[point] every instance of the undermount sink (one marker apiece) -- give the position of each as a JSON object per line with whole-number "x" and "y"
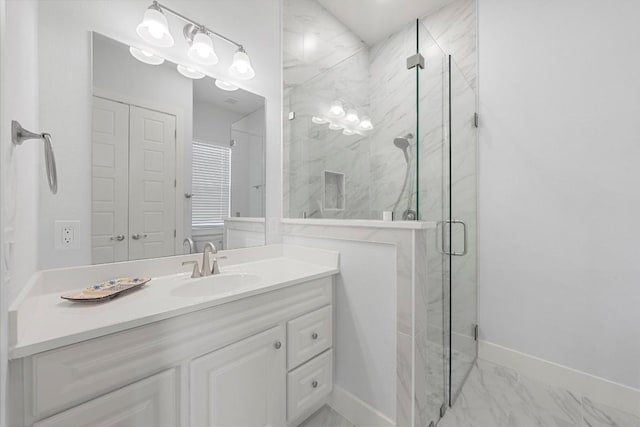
{"x": 215, "y": 284}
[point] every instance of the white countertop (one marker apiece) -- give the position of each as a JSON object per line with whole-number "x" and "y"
{"x": 40, "y": 320}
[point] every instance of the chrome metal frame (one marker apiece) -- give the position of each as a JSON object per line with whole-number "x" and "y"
{"x": 193, "y": 27}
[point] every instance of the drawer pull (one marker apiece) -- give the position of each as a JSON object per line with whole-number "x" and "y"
{"x": 314, "y": 384}
{"x": 314, "y": 336}
{"x": 277, "y": 345}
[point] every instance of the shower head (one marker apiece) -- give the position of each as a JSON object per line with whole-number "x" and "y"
{"x": 402, "y": 142}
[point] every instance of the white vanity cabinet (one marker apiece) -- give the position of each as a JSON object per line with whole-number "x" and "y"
{"x": 263, "y": 360}
{"x": 243, "y": 384}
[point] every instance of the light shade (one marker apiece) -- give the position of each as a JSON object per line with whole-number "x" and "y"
{"x": 352, "y": 117}
{"x": 221, "y": 84}
{"x": 334, "y": 126}
{"x": 201, "y": 49}
{"x": 146, "y": 57}
{"x": 154, "y": 28}
{"x": 241, "y": 67}
{"x": 365, "y": 123}
{"x": 336, "y": 110}
{"x": 348, "y": 132}
{"x": 190, "y": 72}
{"x": 318, "y": 120}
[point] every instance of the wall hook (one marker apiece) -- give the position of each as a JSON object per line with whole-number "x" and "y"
{"x": 19, "y": 135}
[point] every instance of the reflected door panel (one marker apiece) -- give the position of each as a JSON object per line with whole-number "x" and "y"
{"x": 152, "y": 183}
{"x": 110, "y": 192}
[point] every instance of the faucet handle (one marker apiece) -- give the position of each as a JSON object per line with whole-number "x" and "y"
{"x": 196, "y": 270}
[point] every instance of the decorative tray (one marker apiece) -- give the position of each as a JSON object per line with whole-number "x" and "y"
{"x": 106, "y": 290}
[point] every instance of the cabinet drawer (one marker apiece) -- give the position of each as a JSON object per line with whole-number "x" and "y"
{"x": 150, "y": 402}
{"x": 308, "y": 336}
{"x": 309, "y": 384}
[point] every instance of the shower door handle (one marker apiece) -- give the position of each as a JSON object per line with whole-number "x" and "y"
{"x": 442, "y": 249}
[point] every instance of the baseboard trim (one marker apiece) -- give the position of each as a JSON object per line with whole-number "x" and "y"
{"x": 356, "y": 411}
{"x": 598, "y": 389}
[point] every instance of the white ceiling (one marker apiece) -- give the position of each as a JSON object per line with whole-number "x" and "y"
{"x": 373, "y": 20}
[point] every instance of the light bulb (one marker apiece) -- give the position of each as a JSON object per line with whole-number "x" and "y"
{"x": 337, "y": 110}
{"x": 146, "y": 57}
{"x": 365, "y": 123}
{"x": 154, "y": 28}
{"x": 201, "y": 49}
{"x": 221, "y": 84}
{"x": 318, "y": 120}
{"x": 241, "y": 66}
{"x": 352, "y": 117}
{"x": 190, "y": 72}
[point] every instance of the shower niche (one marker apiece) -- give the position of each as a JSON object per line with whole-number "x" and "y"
{"x": 334, "y": 194}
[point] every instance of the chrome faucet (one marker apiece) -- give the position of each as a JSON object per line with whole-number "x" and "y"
{"x": 189, "y": 241}
{"x": 206, "y": 269}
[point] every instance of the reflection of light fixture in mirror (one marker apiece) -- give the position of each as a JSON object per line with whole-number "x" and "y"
{"x": 348, "y": 132}
{"x": 201, "y": 49}
{"x": 319, "y": 120}
{"x": 189, "y": 72}
{"x": 241, "y": 67}
{"x": 154, "y": 28}
{"x": 146, "y": 57}
{"x": 352, "y": 117}
{"x": 221, "y": 84}
{"x": 365, "y": 123}
{"x": 337, "y": 110}
{"x": 334, "y": 126}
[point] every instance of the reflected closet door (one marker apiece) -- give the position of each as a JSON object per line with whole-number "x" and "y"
{"x": 110, "y": 187}
{"x": 152, "y": 174}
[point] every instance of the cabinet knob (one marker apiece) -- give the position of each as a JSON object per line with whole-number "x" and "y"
{"x": 277, "y": 345}
{"x": 314, "y": 384}
{"x": 314, "y": 336}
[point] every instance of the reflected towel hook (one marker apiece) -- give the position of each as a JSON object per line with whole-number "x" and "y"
{"x": 19, "y": 135}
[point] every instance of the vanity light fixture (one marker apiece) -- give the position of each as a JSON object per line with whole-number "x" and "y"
{"x": 337, "y": 110}
{"x": 241, "y": 67}
{"x": 352, "y": 117}
{"x": 319, "y": 120}
{"x": 334, "y": 126}
{"x": 365, "y": 123}
{"x": 154, "y": 29}
{"x": 229, "y": 87}
{"x": 189, "y": 72}
{"x": 348, "y": 132}
{"x": 201, "y": 50}
{"x": 146, "y": 57}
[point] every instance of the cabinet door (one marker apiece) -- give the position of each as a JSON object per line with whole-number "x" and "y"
{"x": 150, "y": 402}
{"x": 243, "y": 384}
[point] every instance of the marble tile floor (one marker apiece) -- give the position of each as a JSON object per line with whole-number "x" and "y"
{"x": 495, "y": 396}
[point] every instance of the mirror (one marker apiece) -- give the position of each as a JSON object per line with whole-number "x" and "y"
{"x": 177, "y": 159}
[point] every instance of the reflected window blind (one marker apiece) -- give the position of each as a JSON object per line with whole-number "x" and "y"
{"x": 210, "y": 185}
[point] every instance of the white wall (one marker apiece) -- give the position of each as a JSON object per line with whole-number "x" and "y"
{"x": 559, "y": 174}
{"x": 21, "y": 167}
{"x": 365, "y": 329}
{"x": 65, "y": 85}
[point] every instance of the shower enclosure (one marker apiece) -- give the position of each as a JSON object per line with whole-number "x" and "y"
{"x": 392, "y": 127}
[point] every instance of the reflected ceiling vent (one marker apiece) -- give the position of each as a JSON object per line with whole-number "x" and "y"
{"x": 231, "y": 101}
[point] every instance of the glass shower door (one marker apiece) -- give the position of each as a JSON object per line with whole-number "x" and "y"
{"x": 460, "y": 228}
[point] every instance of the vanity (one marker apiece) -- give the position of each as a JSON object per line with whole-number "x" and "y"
{"x": 251, "y": 346}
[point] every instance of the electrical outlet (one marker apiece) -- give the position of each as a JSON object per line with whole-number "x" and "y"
{"x": 67, "y": 234}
